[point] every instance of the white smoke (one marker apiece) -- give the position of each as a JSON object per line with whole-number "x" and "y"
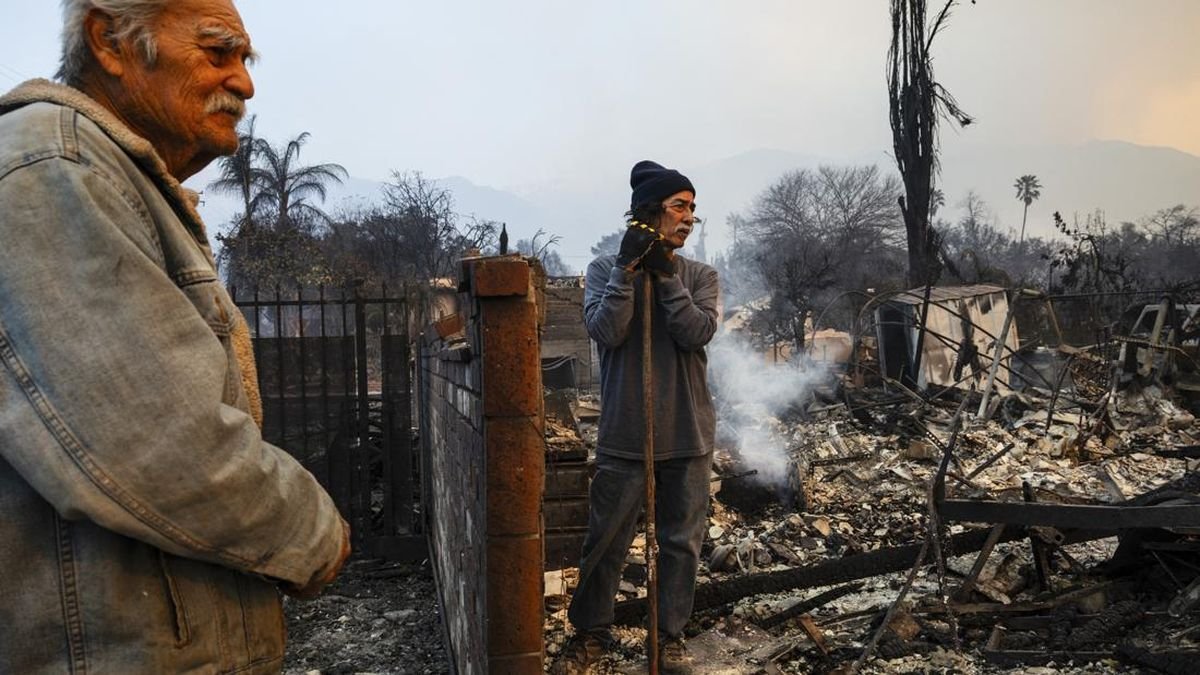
{"x": 751, "y": 393}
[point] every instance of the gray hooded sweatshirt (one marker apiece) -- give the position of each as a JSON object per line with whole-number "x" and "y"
{"x": 684, "y": 319}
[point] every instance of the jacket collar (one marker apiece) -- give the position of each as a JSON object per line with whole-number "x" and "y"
{"x": 139, "y": 149}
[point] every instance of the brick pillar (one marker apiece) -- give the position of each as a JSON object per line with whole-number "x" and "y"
{"x": 507, "y": 325}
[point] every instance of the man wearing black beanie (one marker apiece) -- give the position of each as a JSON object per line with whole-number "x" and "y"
{"x": 685, "y": 315}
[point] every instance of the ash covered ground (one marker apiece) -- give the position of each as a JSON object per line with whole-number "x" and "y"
{"x": 378, "y": 617}
{"x": 864, "y": 470}
{"x": 865, "y": 490}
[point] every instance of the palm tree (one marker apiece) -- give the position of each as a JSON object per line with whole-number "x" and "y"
{"x": 917, "y": 104}
{"x": 937, "y": 199}
{"x": 237, "y": 170}
{"x": 284, "y": 187}
{"x": 1028, "y": 189}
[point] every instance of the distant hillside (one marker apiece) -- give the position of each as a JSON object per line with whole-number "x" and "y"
{"x": 1127, "y": 181}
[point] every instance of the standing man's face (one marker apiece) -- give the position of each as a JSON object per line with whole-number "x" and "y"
{"x": 679, "y": 214}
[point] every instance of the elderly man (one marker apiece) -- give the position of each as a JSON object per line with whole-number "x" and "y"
{"x": 683, "y": 320}
{"x": 146, "y": 528}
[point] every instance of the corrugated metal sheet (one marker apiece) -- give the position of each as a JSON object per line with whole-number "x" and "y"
{"x": 942, "y": 293}
{"x": 962, "y": 327}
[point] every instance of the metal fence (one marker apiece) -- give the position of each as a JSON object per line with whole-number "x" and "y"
{"x": 334, "y": 373}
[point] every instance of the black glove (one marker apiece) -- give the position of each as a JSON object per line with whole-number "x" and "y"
{"x": 659, "y": 260}
{"x": 636, "y": 244}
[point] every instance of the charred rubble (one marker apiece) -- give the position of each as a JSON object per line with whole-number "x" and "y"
{"x": 981, "y": 504}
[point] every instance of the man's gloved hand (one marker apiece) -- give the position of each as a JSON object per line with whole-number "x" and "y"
{"x": 636, "y": 244}
{"x": 325, "y": 576}
{"x": 660, "y": 260}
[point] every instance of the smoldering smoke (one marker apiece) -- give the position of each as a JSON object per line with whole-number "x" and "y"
{"x": 752, "y": 393}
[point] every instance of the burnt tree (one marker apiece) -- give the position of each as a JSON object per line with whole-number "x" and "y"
{"x": 813, "y": 232}
{"x": 916, "y": 101}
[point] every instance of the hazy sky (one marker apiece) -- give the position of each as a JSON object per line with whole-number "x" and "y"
{"x": 520, "y": 94}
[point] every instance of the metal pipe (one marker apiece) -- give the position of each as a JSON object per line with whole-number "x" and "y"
{"x": 303, "y": 375}
{"x": 1037, "y": 547}
{"x": 1062, "y": 375}
{"x": 920, "y": 347}
{"x": 1000, "y": 343}
{"x": 362, "y": 458}
{"x": 326, "y": 418}
{"x": 282, "y": 390}
{"x": 1164, "y": 308}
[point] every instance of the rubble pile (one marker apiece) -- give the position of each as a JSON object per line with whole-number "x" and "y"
{"x": 863, "y": 471}
{"x": 942, "y": 495}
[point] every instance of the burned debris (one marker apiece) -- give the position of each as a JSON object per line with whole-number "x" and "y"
{"x": 1006, "y": 496}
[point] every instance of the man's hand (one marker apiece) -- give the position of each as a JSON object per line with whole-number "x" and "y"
{"x": 325, "y": 576}
{"x": 636, "y": 244}
{"x": 660, "y": 260}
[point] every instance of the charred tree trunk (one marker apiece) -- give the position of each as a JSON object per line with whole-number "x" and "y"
{"x": 915, "y": 100}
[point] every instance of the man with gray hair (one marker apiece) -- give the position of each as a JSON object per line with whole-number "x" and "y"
{"x": 147, "y": 527}
{"x": 682, "y": 299}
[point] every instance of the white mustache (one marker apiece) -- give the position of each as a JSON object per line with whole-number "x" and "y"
{"x": 223, "y": 101}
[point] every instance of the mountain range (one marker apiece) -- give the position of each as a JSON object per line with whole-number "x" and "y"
{"x": 1124, "y": 180}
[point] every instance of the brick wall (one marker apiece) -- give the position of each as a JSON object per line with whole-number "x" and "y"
{"x": 452, "y": 443}
{"x": 481, "y": 429}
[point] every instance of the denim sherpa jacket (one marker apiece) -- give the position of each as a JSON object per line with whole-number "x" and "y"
{"x": 143, "y": 521}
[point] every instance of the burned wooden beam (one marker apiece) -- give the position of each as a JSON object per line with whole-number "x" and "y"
{"x": 1172, "y": 546}
{"x": 1041, "y": 560}
{"x": 827, "y": 573}
{"x": 814, "y": 633}
{"x": 743, "y": 474}
{"x": 808, "y": 605}
{"x": 1179, "y": 662}
{"x": 999, "y": 608}
{"x": 1071, "y": 516}
{"x": 968, "y": 584}
{"x": 996, "y": 652}
{"x": 1187, "y": 599}
{"x": 991, "y": 460}
{"x": 1181, "y": 452}
{"x": 1109, "y": 623}
{"x": 828, "y": 461}
{"x": 1014, "y": 657}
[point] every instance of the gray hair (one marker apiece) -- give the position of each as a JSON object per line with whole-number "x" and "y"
{"x": 131, "y": 19}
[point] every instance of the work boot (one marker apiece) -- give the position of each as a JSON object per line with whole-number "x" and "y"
{"x": 673, "y": 658}
{"x": 581, "y": 652}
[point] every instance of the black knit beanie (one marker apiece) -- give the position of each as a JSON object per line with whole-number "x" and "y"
{"x": 652, "y": 182}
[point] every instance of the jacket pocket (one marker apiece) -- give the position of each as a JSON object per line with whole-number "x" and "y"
{"x": 262, "y": 617}
{"x": 218, "y": 311}
{"x": 211, "y": 301}
{"x": 183, "y": 631}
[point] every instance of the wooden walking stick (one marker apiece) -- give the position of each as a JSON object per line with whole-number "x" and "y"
{"x": 651, "y": 534}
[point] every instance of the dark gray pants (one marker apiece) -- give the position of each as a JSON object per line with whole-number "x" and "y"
{"x": 617, "y": 494}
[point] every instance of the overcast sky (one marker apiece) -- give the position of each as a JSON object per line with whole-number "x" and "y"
{"x": 523, "y": 94}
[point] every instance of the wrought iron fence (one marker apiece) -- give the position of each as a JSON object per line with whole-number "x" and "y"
{"x": 335, "y": 376}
